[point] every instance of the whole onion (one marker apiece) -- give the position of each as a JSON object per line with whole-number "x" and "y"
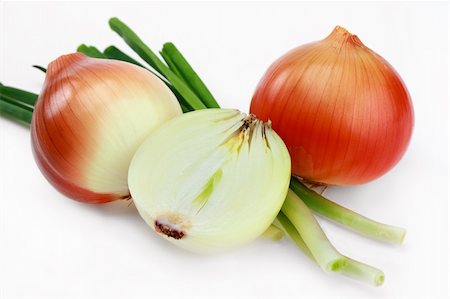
{"x": 342, "y": 110}
{"x": 90, "y": 118}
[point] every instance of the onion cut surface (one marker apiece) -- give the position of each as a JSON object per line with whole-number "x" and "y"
{"x": 210, "y": 179}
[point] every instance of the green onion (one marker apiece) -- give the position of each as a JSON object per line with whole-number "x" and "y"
{"x": 147, "y": 55}
{"x": 172, "y": 66}
{"x": 188, "y": 74}
{"x": 90, "y": 51}
{"x": 321, "y": 248}
{"x": 18, "y": 95}
{"x": 113, "y": 52}
{"x": 15, "y": 110}
{"x": 288, "y": 228}
{"x": 346, "y": 217}
{"x": 274, "y": 233}
{"x": 41, "y": 68}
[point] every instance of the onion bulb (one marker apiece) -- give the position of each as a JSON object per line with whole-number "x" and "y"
{"x": 90, "y": 117}
{"x": 210, "y": 179}
{"x": 342, "y": 110}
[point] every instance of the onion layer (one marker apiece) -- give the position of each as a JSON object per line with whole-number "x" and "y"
{"x": 91, "y": 116}
{"x": 342, "y": 110}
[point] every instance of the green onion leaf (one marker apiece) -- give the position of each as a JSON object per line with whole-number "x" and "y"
{"x": 18, "y": 95}
{"x": 41, "y": 68}
{"x": 172, "y": 65}
{"x": 113, "y": 52}
{"x": 147, "y": 55}
{"x": 174, "y": 57}
{"x": 15, "y": 110}
{"x": 90, "y": 51}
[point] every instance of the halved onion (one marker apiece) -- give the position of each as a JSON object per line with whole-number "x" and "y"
{"x": 210, "y": 179}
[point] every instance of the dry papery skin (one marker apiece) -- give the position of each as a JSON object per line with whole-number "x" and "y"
{"x": 343, "y": 111}
{"x": 90, "y": 117}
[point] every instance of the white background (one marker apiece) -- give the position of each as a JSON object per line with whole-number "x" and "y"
{"x": 51, "y": 246}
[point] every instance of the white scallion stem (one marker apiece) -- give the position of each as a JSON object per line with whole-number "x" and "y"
{"x": 323, "y": 252}
{"x": 289, "y": 229}
{"x": 273, "y": 233}
{"x": 346, "y": 217}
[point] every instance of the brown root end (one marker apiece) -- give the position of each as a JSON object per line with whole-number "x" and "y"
{"x": 168, "y": 231}
{"x": 126, "y": 197}
{"x": 317, "y": 187}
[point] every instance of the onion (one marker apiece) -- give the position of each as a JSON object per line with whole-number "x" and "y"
{"x": 210, "y": 179}
{"x": 91, "y": 116}
{"x": 342, "y": 110}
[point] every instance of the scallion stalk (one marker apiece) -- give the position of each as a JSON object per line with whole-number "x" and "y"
{"x": 274, "y": 233}
{"x": 148, "y": 56}
{"x": 41, "y": 68}
{"x": 288, "y": 228}
{"x": 15, "y": 110}
{"x": 171, "y": 65}
{"x": 90, "y": 51}
{"x": 315, "y": 239}
{"x": 346, "y": 217}
{"x": 18, "y": 95}
{"x": 113, "y": 52}
{"x": 324, "y": 253}
{"x": 188, "y": 74}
